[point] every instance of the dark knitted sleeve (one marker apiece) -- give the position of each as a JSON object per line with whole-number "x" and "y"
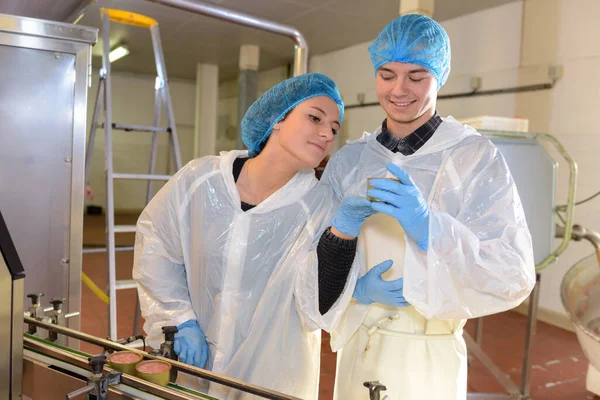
{"x": 336, "y": 256}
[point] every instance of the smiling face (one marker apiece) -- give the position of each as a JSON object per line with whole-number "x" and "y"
{"x": 306, "y": 133}
{"x": 407, "y": 93}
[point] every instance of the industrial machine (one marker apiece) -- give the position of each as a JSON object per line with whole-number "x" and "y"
{"x": 52, "y": 371}
{"x": 45, "y": 71}
{"x": 37, "y": 364}
{"x": 580, "y": 295}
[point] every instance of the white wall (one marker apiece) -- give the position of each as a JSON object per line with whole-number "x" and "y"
{"x": 228, "y": 104}
{"x": 352, "y": 70}
{"x": 508, "y": 46}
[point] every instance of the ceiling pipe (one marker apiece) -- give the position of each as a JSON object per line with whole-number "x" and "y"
{"x": 213, "y": 11}
{"x": 78, "y": 11}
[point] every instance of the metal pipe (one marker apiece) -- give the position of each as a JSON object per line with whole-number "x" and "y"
{"x": 91, "y": 250}
{"x": 201, "y": 373}
{"x": 500, "y": 376}
{"x": 210, "y": 10}
{"x": 78, "y": 11}
{"x": 80, "y": 392}
{"x": 300, "y": 58}
{"x": 474, "y": 93}
{"x": 581, "y": 233}
{"x": 90, "y": 144}
{"x": 491, "y": 92}
{"x": 534, "y": 300}
{"x": 479, "y": 331}
{"x": 110, "y": 184}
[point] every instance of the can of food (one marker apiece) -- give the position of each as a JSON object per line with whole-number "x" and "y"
{"x": 154, "y": 371}
{"x": 369, "y": 187}
{"x": 124, "y": 361}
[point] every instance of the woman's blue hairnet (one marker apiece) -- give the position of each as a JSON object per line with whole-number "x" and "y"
{"x": 276, "y": 102}
{"x": 414, "y": 39}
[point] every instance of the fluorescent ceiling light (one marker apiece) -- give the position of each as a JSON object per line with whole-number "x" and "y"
{"x": 118, "y": 53}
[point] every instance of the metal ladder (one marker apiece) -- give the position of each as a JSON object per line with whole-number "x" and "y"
{"x": 161, "y": 99}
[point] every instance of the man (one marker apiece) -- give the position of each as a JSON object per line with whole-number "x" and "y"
{"x": 449, "y": 217}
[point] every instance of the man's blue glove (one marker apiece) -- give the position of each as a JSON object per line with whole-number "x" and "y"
{"x": 372, "y": 289}
{"x": 191, "y": 345}
{"x": 351, "y": 215}
{"x": 404, "y": 202}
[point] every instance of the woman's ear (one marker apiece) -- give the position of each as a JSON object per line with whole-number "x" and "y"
{"x": 277, "y": 126}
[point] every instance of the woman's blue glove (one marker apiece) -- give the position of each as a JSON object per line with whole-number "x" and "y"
{"x": 372, "y": 289}
{"x": 351, "y": 215}
{"x": 191, "y": 345}
{"x": 404, "y": 202}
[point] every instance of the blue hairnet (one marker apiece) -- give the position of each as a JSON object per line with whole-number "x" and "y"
{"x": 414, "y": 39}
{"x": 276, "y": 102}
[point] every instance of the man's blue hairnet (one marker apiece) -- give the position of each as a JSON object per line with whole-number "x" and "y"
{"x": 276, "y": 102}
{"x": 414, "y": 39}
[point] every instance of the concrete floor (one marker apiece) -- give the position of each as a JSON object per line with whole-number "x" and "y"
{"x": 559, "y": 364}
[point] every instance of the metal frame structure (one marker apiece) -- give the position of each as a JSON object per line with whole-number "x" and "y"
{"x": 162, "y": 98}
{"x": 77, "y": 13}
{"x": 136, "y": 382}
{"x": 29, "y": 33}
{"x": 523, "y": 391}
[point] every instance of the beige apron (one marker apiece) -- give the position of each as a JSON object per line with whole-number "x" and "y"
{"x": 415, "y": 358}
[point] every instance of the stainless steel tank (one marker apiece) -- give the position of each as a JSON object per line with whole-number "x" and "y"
{"x": 580, "y": 294}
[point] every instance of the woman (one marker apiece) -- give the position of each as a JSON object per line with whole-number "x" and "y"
{"x": 229, "y": 249}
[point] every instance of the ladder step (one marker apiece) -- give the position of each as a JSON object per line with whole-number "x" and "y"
{"x": 124, "y": 228}
{"x": 148, "y": 177}
{"x": 137, "y": 128}
{"x": 126, "y": 284}
{"x": 91, "y": 250}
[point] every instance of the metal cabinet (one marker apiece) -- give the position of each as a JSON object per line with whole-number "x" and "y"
{"x": 45, "y": 71}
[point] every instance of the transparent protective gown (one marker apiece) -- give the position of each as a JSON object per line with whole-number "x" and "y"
{"x": 249, "y": 278}
{"x": 479, "y": 262}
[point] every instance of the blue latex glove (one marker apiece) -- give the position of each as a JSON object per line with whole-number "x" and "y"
{"x": 351, "y": 215}
{"x": 403, "y": 201}
{"x": 372, "y": 289}
{"x": 191, "y": 345}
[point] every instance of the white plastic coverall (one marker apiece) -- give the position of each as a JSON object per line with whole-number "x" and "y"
{"x": 479, "y": 262}
{"x": 249, "y": 278}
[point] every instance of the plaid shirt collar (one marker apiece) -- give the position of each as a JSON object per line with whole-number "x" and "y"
{"x": 411, "y": 143}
